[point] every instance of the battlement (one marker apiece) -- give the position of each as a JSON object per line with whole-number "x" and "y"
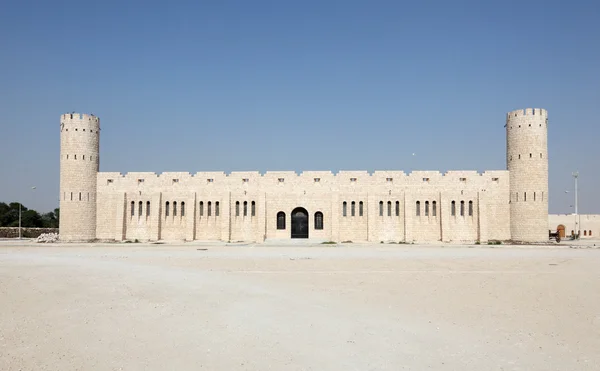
{"x": 540, "y": 112}
{"x": 79, "y": 117}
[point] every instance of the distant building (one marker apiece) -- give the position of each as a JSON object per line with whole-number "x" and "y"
{"x": 354, "y": 206}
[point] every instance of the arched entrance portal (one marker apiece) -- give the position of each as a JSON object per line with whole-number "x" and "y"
{"x": 561, "y": 231}
{"x": 299, "y": 223}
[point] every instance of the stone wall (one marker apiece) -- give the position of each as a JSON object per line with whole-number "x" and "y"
{"x": 13, "y": 232}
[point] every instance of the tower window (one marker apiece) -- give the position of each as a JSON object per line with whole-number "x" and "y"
{"x": 344, "y": 206}
{"x": 140, "y": 206}
{"x": 201, "y": 209}
{"x": 217, "y": 208}
{"x": 210, "y": 180}
{"x": 132, "y": 208}
{"x": 433, "y": 208}
{"x": 352, "y": 208}
{"x": 470, "y": 208}
{"x": 182, "y": 208}
{"x": 353, "y": 180}
{"x": 495, "y": 179}
{"x": 280, "y": 220}
{"x": 140, "y": 181}
{"x": 237, "y": 208}
{"x": 462, "y": 208}
{"x": 426, "y": 208}
{"x": 175, "y": 181}
{"x": 317, "y": 180}
{"x": 253, "y": 209}
{"x": 389, "y": 208}
{"x": 79, "y": 196}
{"x": 519, "y": 157}
{"x": 389, "y": 179}
{"x": 174, "y": 208}
{"x": 426, "y": 179}
{"x": 524, "y": 196}
{"x": 318, "y": 220}
{"x": 453, "y": 208}
{"x": 245, "y": 180}
{"x": 397, "y": 208}
{"x": 463, "y": 180}
{"x": 245, "y": 208}
{"x": 83, "y": 158}
{"x": 75, "y": 157}
{"x": 380, "y": 208}
{"x": 360, "y": 208}
{"x": 530, "y": 155}
{"x": 148, "y": 208}
{"x": 209, "y": 208}
{"x": 281, "y": 180}
{"x": 418, "y": 206}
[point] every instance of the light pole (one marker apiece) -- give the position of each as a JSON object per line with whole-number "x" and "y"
{"x": 20, "y": 233}
{"x": 576, "y": 175}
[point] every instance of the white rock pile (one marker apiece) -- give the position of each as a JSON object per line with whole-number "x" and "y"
{"x": 47, "y": 238}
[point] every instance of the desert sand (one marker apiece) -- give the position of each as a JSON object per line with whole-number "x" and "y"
{"x": 203, "y": 306}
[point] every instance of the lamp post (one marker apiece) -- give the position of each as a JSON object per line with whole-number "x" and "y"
{"x": 576, "y": 175}
{"x": 20, "y": 232}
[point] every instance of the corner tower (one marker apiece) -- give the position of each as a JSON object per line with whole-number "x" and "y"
{"x": 79, "y": 164}
{"x": 527, "y": 162}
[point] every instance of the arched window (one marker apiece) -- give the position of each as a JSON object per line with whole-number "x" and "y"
{"x": 426, "y": 208}
{"x": 132, "y": 208}
{"x": 237, "y": 208}
{"x": 462, "y": 208}
{"x": 201, "y": 208}
{"x": 147, "y": 208}
{"x": 389, "y": 208}
{"x": 524, "y": 196}
{"x": 318, "y": 220}
{"x": 590, "y": 233}
{"x": 253, "y": 209}
{"x": 281, "y": 220}
{"x": 174, "y": 208}
{"x": 209, "y": 207}
{"x": 453, "y": 208}
{"x": 245, "y": 208}
{"x": 418, "y": 206}
{"x": 360, "y": 208}
{"x": 433, "y": 208}
{"x": 167, "y": 208}
{"x": 352, "y": 208}
{"x": 344, "y": 207}
{"x": 470, "y": 208}
{"x": 217, "y": 208}
{"x": 397, "y": 208}
{"x": 584, "y": 232}
{"x": 380, "y": 208}
{"x": 182, "y": 208}
{"x": 140, "y": 205}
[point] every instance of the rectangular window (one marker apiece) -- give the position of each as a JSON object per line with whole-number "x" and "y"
{"x": 317, "y": 180}
{"x": 353, "y": 180}
{"x": 281, "y": 180}
{"x": 463, "y": 179}
{"x": 175, "y": 181}
{"x": 426, "y": 179}
{"x": 245, "y": 208}
{"x": 109, "y": 181}
{"x": 495, "y": 179}
{"x": 201, "y": 209}
{"x": 245, "y": 180}
{"x": 389, "y": 180}
{"x": 237, "y": 208}
{"x": 140, "y": 181}
{"x": 210, "y": 180}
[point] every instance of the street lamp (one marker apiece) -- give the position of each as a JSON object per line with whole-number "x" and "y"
{"x": 576, "y": 175}
{"x": 20, "y": 233}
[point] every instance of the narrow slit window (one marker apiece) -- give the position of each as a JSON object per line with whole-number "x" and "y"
{"x": 462, "y": 208}
{"x": 397, "y": 208}
{"x": 344, "y": 207}
{"x": 318, "y": 220}
{"x": 209, "y": 208}
{"x": 280, "y": 220}
{"x": 453, "y": 208}
{"x": 352, "y": 208}
{"x": 79, "y": 196}
{"x": 389, "y": 208}
{"x": 418, "y": 208}
{"x": 167, "y": 208}
{"x": 360, "y": 208}
{"x": 148, "y": 208}
{"x": 201, "y": 208}
{"x": 237, "y": 208}
{"x": 174, "y": 208}
{"x": 524, "y": 196}
{"x": 433, "y": 208}
{"x": 132, "y": 208}
{"x": 426, "y": 208}
{"x": 182, "y": 208}
{"x": 140, "y": 209}
{"x": 245, "y": 208}
{"x": 380, "y": 208}
{"x": 253, "y": 209}
{"x": 217, "y": 208}
{"x": 470, "y": 208}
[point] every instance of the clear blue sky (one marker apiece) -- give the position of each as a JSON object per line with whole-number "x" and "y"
{"x": 298, "y": 85}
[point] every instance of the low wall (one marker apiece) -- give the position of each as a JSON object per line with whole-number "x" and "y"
{"x": 13, "y": 232}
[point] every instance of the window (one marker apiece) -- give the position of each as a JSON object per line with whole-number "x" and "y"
{"x": 253, "y": 209}
{"x": 495, "y": 179}
{"x": 209, "y": 208}
{"x": 281, "y": 220}
{"x": 418, "y": 206}
{"x": 344, "y": 206}
{"x": 317, "y": 180}
{"x": 75, "y": 157}
{"x": 245, "y": 180}
{"x": 175, "y": 181}
{"x": 201, "y": 209}
{"x": 517, "y": 195}
{"x": 237, "y": 208}
{"x": 433, "y": 208}
{"x": 426, "y": 208}
{"x": 360, "y": 208}
{"x": 79, "y": 196}
{"x": 464, "y": 180}
{"x": 140, "y": 206}
{"x": 132, "y": 208}
{"x": 83, "y": 158}
{"x": 534, "y": 196}
{"x": 353, "y": 180}
{"x": 210, "y": 180}
{"x": 453, "y": 208}
{"x": 174, "y": 208}
{"x": 147, "y": 208}
{"x": 167, "y": 208}
{"x": 71, "y": 196}
{"x": 519, "y": 156}
{"x": 584, "y": 232}
{"x": 217, "y": 208}
{"x": 590, "y": 233}
{"x": 425, "y": 179}
{"x": 352, "y": 208}
{"x": 245, "y": 208}
{"x": 389, "y": 180}
{"x": 389, "y": 208}
{"x": 318, "y": 220}
{"x": 470, "y": 208}
{"x": 109, "y": 181}
{"x": 397, "y": 208}
{"x": 380, "y": 208}
{"x": 462, "y": 208}
{"x": 530, "y": 155}
{"x": 524, "y": 196}
{"x": 140, "y": 181}
{"x": 281, "y": 180}
{"x": 182, "y": 208}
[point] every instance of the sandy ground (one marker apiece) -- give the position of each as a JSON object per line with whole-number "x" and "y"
{"x": 381, "y": 307}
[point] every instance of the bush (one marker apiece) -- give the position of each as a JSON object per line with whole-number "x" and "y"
{"x": 329, "y": 243}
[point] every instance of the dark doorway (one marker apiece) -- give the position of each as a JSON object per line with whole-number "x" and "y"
{"x": 561, "y": 230}
{"x": 299, "y": 223}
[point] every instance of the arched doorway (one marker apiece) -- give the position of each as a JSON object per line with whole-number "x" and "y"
{"x": 299, "y": 223}
{"x": 561, "y": 231}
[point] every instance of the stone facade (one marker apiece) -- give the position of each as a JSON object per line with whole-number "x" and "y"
{"x": 588, "y": 226}
{"x": 423, "y": 206}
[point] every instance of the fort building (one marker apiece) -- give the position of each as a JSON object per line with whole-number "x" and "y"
{"x": 421, "y": 206}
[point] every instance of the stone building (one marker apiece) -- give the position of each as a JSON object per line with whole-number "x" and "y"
{"x": 354, "y": 206}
